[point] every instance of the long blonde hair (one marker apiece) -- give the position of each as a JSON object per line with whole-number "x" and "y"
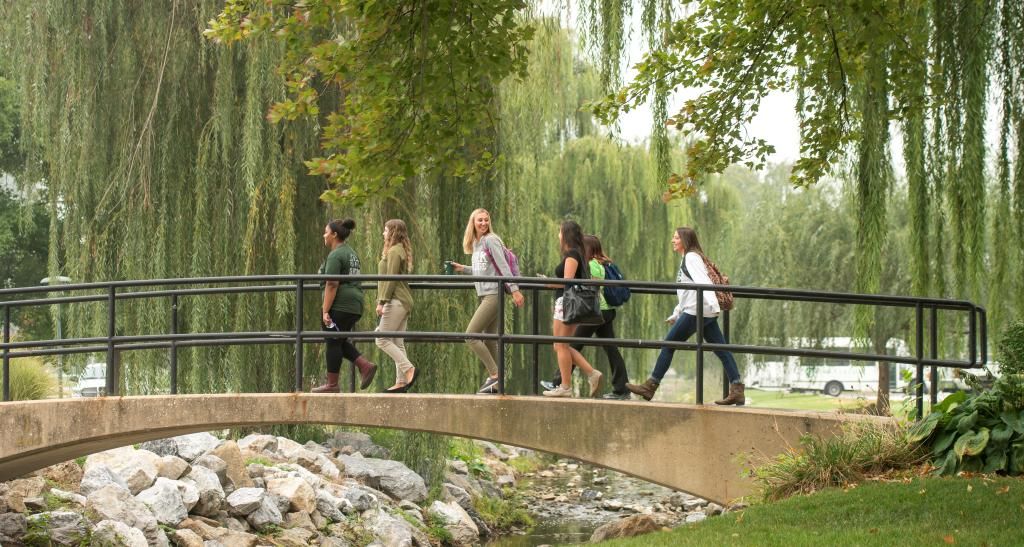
{"x": 397, "y": 234}
{"x": 470, "y": 237}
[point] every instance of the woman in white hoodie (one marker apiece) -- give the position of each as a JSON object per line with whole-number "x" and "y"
{"x": 684, "y": 320}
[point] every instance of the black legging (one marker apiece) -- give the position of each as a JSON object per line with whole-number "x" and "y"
{"x": 341, "y": 347}
{"x": 605, "y": 330}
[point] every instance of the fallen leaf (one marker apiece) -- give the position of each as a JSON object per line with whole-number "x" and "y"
{"x": 922, "y": 491}
{"x": 970, "y": 488}
{"x": 948, "y": 539}
{"x": 873, "y": 531}
{"x": 1003, "y": 490}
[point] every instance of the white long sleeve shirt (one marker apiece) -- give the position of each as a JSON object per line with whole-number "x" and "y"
{"x": 687, "y": 297}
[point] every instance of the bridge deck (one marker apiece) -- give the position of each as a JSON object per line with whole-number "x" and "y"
{"x": 695, "y": 449}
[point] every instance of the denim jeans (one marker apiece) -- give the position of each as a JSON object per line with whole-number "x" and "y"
{"x": 681, "y": 331}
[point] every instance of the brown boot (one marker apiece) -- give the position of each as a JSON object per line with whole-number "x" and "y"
{"x": 645, "y": 390}
{"x": 735, "y": 397}
{"x": 331, "y": 386}
{"x": 366, "y": 371}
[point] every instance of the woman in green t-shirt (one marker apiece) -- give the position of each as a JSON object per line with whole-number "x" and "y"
{"x": 342, "y": 306}
{"x": 394, "y": 302}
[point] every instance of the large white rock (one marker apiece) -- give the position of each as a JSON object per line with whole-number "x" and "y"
{"x": 298, "y": 492}
{"x": 99, "y": 477}
{"x": 391, "y": 477}
{"x": 211, "y": 495}
{"x": 61, "y": 527}
{"x": 457, "y": 522}
{"x": 164, "y": 500}
{"x": 194, "y": 445}
{"x": 113, "y": 502}
{"x": 118, "y": 534}
{"x": 138, "y": 468}
{"x": 244, "y": 501}
{"x": 332, "y": 507}
{"x": 266, "y": 515}
{"x": 237, "y": 476}
{"x": 215, "y": 464}
{"x": 13, "y": 527}
{"x": 171, "y": 467}
{"x": 189, "y": 493}
{"x": 260, "y": 444}
{"x": 393, "y": 531}
{"x": 70, "y": 497}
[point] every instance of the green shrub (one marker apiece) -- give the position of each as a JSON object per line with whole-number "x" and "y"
{"x": 503, "y": 514}
{"x": 983, "y": 431}
{"x": 860, "y": 450}
{"x": 31, "y": 379}
{"x": 1011, "y": 349}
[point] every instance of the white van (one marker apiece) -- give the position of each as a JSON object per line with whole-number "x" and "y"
{"x": 92, "y": 382}
{"x": 825, "y": 375}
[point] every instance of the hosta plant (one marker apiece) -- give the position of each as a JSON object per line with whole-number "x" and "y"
{"x": 983, "y": 431}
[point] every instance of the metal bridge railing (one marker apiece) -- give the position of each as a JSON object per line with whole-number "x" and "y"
{"x": 115, "y": 291}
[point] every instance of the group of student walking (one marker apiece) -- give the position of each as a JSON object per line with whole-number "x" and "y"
{"x": 582, "y": 258}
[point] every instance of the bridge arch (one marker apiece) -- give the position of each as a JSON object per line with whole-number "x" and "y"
{"x": 695, "y": 449}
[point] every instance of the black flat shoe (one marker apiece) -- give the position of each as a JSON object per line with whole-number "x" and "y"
{"x": 415, "y": 373}
{"x": 398, "y": 389}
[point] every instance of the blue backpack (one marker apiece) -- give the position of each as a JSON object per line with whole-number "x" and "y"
{"x": 618, "y": 295}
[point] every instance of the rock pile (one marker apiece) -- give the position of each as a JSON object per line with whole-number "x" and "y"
{"x": 197, "y": 490}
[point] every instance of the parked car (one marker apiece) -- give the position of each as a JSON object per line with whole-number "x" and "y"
{"x": 92, "y": 382}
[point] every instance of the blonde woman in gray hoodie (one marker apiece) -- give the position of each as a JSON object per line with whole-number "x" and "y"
{"x": 488, "y": 252}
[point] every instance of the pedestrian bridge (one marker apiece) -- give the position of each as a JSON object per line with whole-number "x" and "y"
{"x": 700, "y": 450}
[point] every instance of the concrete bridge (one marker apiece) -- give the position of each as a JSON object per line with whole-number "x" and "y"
{"x": 696, "y": 449}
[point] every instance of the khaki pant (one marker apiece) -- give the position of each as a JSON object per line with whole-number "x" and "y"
{"x": 485, "y": 320}
{"x": 395, "y": 318}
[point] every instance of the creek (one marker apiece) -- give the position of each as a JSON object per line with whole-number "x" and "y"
{"x": 569, "y": 500}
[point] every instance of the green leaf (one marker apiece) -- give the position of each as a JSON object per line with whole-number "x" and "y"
{"x": 948, "y": 466}
{"x": 923, "y": 428}
{"x": 1014, "y": 419}
{"x": 971, "y": 444}
{"x": 942, "y": 442}
{"x": 1001, "y": 433}
{"x": 1017, "y": 459}
{"x": 996, "y": 461}
{"x": 967, "y": 422}
{"x": 950, "y": 402}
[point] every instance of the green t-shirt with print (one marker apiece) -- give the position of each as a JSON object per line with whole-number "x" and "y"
{"x": 349, "y": 297}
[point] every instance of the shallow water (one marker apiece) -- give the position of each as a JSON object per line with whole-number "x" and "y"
{"x": 567, "y": 504}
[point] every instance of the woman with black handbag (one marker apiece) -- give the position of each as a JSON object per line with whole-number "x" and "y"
{"x": 573, "y": 303}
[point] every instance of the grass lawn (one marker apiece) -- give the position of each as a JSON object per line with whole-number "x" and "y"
{"x": 801, "y": 401}
{"x": 924, "y": 511}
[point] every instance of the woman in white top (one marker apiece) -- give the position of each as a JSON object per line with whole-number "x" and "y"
{"x": 488, "y": 253}
{"x": 684, "y": 320}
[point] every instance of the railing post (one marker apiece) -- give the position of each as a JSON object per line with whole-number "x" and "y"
{"x": 972, "y": 336}
{"x": 112, "y": 364}
{"x": 725, "y": 332}
{"x": 700, "y": 346}
{"x": 919, "y": 352}
{"x": 7, "y": 351}
{"x": 298, "y": 336}
{"x": 535, "y": 379}
{"x": 501, "y": 338}
{"x": 174, "y": 345}
{"x": 984, "y": 335}
{"x": 933, "y": 347}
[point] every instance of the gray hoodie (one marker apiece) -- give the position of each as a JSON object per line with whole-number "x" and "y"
{"x": 483, "y": 265}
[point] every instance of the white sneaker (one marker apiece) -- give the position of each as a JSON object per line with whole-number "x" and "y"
{"x": 559, "y": 391}
{"x": 595, "y": 382}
